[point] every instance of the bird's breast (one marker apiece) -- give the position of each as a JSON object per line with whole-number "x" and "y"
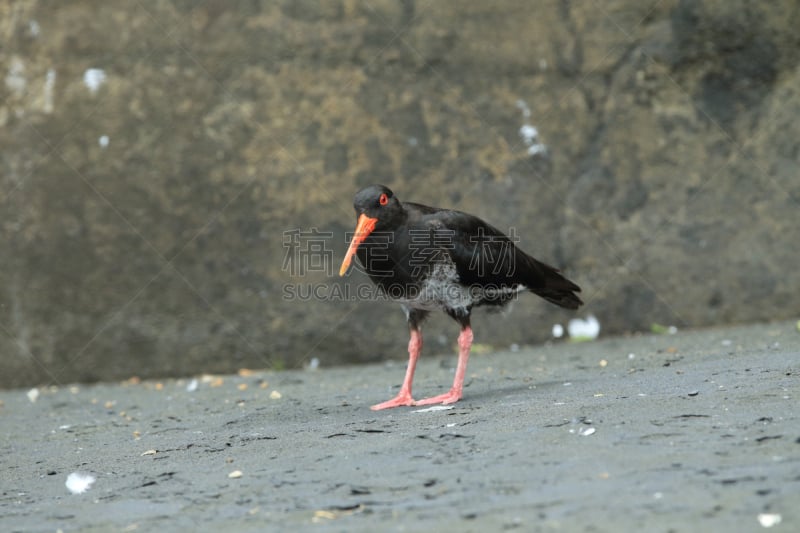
{"x": 438, "y": 287}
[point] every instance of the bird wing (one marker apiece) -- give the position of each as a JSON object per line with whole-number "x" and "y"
{"x": 483, "y": 255}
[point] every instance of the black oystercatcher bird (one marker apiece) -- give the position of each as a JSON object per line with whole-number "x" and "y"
{"x": 428, "y": 258}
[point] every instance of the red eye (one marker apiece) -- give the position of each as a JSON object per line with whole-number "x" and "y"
{"x": 383, "y": 200}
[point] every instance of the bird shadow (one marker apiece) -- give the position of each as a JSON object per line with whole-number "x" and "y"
{"x": 527, "y": 389}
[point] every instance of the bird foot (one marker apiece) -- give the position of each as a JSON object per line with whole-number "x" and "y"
{"x": 448, "y": 397}
{"x": 402, "y": 399}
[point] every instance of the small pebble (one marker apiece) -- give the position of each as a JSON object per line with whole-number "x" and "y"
{"x": 235, "y": 474}
{"x": 694, "y": 393}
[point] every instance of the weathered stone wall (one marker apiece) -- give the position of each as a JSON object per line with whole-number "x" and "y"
{"x": 144, "y": 204}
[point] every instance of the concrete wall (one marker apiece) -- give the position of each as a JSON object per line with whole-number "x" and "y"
{"x": 154, "y": 155}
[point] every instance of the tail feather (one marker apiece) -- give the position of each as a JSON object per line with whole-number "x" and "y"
{"x": 562, "y": 298}
{"x": 555, "y": 288}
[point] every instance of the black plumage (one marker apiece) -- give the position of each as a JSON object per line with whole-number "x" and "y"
{"x": 428, "y": 258}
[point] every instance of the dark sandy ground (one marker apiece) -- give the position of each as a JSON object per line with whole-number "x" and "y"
{"x": 697, "y": 431}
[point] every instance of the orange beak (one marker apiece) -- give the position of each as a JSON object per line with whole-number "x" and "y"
{"x": 364, "y": 227}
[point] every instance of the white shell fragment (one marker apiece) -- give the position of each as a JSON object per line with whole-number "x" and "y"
{"x": 769, "y": 519}
{"x": 33, "y": 394}
{"x": 581, "y": 329}
{"x": 585, "y": 432}
{"x": 78, "y": 482}
{"x": 434, "y": 408}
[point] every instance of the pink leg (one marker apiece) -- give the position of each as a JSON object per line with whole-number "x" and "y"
{"x": 404, "y": 396}
{"x": 464, "y": 344}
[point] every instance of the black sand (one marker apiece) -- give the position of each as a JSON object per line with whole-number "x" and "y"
{"x": 697, "y": 431}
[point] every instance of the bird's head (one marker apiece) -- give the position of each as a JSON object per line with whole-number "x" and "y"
{"x": 376, "y": 207}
